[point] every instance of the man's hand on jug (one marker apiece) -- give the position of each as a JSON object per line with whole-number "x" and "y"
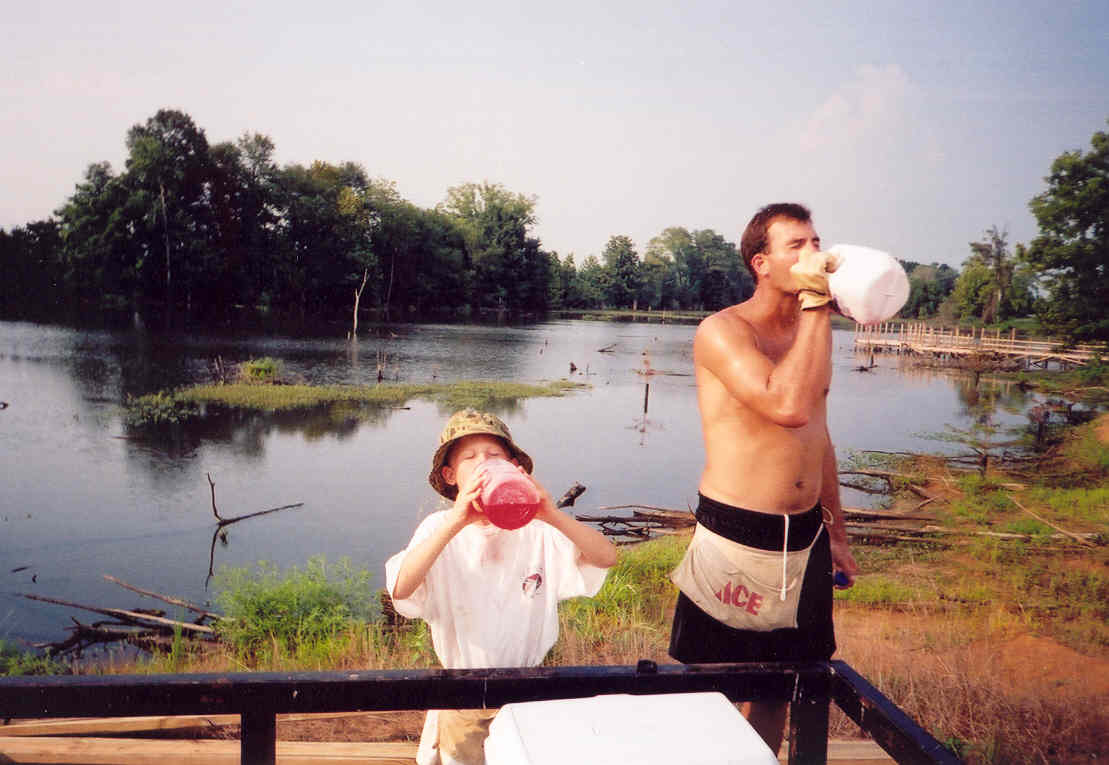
{"x": 810, "y": 277}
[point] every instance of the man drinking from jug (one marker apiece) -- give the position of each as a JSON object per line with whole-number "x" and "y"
{"x": 756, "y": 582}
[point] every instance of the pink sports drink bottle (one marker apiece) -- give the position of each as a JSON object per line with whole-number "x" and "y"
{"x": 509, "y": 499}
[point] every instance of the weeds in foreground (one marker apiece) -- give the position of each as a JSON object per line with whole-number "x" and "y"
{"x": 270, "y": 614}
{"x": 14, "y": 662}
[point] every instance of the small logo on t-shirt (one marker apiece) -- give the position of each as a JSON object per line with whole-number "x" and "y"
{"x": 532, "y": 584}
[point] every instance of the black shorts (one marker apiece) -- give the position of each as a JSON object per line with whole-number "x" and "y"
{"x": 696, "y": 637}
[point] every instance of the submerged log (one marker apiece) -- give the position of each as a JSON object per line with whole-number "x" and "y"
{"x": 131, "y": 617}
{"x": 571, "y": 496}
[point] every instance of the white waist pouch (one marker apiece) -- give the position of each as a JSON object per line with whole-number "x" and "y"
{"x": 740, "y": 586}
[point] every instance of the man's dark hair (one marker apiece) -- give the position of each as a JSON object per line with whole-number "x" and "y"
{"x": 754, "y": 236}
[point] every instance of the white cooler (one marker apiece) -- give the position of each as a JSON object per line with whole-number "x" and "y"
{"x": 668, "y": 729}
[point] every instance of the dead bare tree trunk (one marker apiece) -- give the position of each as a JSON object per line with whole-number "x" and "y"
{"x": 169, "y": 279}
{"x": 357, "y": 299}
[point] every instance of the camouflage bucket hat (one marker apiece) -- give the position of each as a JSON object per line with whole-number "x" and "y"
{"x": 469, "y": 422}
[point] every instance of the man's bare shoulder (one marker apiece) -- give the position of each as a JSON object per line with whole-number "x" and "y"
{"x": 726, "y": 329}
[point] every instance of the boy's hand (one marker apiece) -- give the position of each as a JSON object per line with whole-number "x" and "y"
{"x": 467, "y": 505}
{"x": 546, "y": 504}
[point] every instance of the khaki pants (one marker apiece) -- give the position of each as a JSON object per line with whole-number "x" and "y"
{"x": 462, "y": 734}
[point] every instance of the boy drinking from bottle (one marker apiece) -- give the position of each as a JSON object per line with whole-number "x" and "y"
{"x": 489, "y": 595}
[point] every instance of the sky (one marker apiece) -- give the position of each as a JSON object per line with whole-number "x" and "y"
{"x": 911, "y": 127}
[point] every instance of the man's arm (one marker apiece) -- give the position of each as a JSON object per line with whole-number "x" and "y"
{"x": 785, "y": 393}
{"x": 842, "y": 560}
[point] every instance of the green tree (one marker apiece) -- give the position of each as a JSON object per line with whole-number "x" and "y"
{"x": 657, "y": 281}
{"x": 621, "y": 265}
{"x": 243, "y": 196}
{"x": 167, "y": 176}
{"x": 510, "y": 271}
{"x": 993, "y": 253}
{"x": 989, "y": 286}
{"x": 726, "y": 279}
{"x": 100, "y": 255}
{"x": 320, "y": 242}
{"x": 30, "y": 262}
{"x": 591, "y": 283}
{"x": 929, "y": 286}
{"x": 973, "y": 288}
{"x": 676, "y": 246}
{"x": 1072, "y": 250}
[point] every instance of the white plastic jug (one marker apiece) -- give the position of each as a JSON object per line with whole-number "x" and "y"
{"x": 869, "y": 285}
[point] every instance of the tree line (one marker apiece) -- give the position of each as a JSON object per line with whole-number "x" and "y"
{"x": 195, "y": 234}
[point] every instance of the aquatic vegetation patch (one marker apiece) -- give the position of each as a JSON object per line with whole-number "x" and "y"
{"x": 158, "y": 409}
{"x": 263, "y": 370}
{"x": 170, "y": 408}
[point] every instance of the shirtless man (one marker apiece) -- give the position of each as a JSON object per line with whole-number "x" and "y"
{"x": 770, "y": 479}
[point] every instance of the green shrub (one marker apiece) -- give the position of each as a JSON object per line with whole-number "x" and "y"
{"x": 263, "y": 370}
{"x": 267, "y": 611}
{"x": 158, "y": 409}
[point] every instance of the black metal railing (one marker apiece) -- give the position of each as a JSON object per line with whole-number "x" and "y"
{"x": 259, "y": 697}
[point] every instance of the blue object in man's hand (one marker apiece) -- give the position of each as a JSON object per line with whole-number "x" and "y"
{"x": 841, "y": 579}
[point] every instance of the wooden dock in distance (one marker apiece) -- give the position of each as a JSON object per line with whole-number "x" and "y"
{"x": 926, "y": 340}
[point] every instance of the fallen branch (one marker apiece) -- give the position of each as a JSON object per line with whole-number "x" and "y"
{"x": 859, "y": 513}
{"x": 133, "y": 617}
{"x": 219, "y": 532}
{"x": 84, "y": 635}
{"x": 1043, "y": 520}
{"x": 651, "y": 508}
{"x": 164, "y": 598}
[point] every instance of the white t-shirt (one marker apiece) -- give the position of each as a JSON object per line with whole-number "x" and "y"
{"x": 491, "y": 597}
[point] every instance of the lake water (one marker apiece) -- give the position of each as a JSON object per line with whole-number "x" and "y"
{"x": 79, "y": 499}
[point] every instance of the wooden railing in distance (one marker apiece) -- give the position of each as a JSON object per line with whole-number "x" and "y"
{"x": 259, "y": 697}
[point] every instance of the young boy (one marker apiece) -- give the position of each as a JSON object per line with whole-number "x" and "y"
{"x": 489, "y": 596}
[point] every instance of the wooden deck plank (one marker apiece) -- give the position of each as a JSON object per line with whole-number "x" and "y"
{"x": 42, "y": 750}
{"x": 79, "y": 750}
{"x": 105, "y": 726}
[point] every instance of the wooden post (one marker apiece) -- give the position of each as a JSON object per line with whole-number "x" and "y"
{"x": 258, "y": 738}
{"x": 808, "y": 721}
